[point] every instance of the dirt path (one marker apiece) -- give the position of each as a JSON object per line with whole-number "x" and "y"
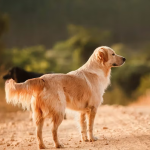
{"x": 117, "y": 127}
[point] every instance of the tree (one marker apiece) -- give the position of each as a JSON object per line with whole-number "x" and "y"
{"x": 3, "y": 29}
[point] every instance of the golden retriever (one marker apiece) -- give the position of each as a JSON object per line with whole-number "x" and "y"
{"x": 80, "y": 90}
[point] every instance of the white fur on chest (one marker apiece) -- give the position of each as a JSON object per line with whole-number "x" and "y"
{"x": 105, "y": 81}
{"x": 98, "y": 90}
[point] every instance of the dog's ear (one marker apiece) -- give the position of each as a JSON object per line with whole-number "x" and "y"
{"x": 102, "y": 55}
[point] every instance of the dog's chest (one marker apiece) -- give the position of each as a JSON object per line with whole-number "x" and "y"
{"x": 99, "y": 86}
{"x": 105, "y": 82}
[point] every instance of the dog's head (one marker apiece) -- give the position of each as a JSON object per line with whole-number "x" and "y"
{"x": 107, "y": 57}
{"x": 11, "y": 74}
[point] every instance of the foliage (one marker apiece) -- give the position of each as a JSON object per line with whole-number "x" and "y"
{"x": 144, "y": 86}
{"x": 115, "y": 95}
{"x": 122, "y": 25}
{"x": 39, "y": 22}
{"x": 76, "y": 50}
{"x": 3, "y": 23}
{"x": 32, "y": 58}
{"x": 3, "y": 28}
{"x": 128, "y": 77}
{"x": 128, "y": 81}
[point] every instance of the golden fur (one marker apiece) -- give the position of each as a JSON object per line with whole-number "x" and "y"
{"x": 80, "y": 90}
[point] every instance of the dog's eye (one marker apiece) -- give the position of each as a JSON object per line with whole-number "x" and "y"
{"x": 113, "y": 54}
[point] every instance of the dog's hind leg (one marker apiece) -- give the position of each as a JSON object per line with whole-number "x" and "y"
{"x": 91, "y": 116}
{"x": 39, "y": 127}
{"x": 39, "y": 121}
{"x": 57, "y": 119}
{"x": 83, "y": 124}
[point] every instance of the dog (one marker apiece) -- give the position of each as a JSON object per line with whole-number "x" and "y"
{"x": 20, "y": 75}
{"x": 80, "y": 90}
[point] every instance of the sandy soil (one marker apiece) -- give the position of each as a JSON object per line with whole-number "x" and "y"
{"x": 117, "y": 127}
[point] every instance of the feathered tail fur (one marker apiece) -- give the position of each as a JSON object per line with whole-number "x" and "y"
{"x": 22, "y": 93}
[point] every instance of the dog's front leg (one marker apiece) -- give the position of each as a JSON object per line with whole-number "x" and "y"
{"x": 91, "y": 116}
{"x": 83, "y": 124}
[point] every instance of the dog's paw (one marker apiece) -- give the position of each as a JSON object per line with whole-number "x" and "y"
{"x": 42, "y": 146}
{"x": 93, "y": 139}
{"x": 59, "y": 145}
{"x": 84, "y": 139}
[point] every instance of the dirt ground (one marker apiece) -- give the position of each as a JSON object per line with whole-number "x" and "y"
{"x": 117, "y": 127}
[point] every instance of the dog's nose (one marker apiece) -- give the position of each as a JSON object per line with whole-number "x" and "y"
{"x": 124, "y": 59}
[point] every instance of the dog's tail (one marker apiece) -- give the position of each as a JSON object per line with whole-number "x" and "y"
{"x": 22, "y": 93}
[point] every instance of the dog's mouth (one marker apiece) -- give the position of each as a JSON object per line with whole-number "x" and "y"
{"x": 114, "y": 64}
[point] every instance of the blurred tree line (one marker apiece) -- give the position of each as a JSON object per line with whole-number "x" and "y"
{"x": 3, "y": 28}
{"x": 59, "y": 36}
{"x": 129, "y": 81}
{"x": 39, "y": 22}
